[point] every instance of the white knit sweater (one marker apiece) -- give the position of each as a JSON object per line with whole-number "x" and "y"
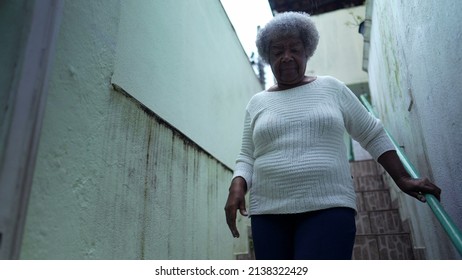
{"x": 293, "y": 155}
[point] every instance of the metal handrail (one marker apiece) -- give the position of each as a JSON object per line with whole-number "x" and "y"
{"x": 451, "y": 229}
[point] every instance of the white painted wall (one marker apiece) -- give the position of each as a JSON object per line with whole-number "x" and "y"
{"x": 340, "y": 49}
{"x": 414, "y": 69}
{"x": 112, "y": 179}
{"x": 182, "y": 60}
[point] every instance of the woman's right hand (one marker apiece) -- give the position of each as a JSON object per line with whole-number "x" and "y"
{"x": 236, "y": 201}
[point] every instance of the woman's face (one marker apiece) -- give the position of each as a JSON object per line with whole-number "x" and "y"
{"x": 288, "y": 60}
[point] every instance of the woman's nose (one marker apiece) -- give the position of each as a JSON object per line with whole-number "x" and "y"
{"x": 286, "y": 56}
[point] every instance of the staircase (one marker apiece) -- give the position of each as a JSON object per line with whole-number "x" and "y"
{"x": 380, "y": 233}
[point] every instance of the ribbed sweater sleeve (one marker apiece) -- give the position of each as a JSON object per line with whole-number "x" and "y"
{"x": 362, "y": 126}
{"x": 245, "y": 159}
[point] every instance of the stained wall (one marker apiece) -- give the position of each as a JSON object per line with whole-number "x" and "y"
{"x": 414, "y": 77}
{"x": 117, "y": 178}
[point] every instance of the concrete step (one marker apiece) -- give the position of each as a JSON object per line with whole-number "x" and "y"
{"x": 381, "y": 234}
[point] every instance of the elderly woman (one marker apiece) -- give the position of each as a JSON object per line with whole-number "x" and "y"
{"x": 293, "y": 160}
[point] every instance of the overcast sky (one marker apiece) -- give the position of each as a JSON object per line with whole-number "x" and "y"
{"x": 246, "y": 15}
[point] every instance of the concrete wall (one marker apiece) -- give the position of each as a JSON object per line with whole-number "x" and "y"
{"x": 114, "y": 180}
{"x": 340, "y": 48}
{"x": 12, "y": 25}
{"x": 15, "y": 19}
{"x": 414, "y": 70}
{"x": 189, "y": 50}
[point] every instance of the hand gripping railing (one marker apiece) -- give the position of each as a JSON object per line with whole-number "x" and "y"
{"x": 451, "y": 229}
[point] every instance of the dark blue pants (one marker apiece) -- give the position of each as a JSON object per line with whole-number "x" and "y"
{"x": 319, "y": 235}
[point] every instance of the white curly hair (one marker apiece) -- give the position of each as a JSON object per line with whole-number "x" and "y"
{"x": 298, "y": 24}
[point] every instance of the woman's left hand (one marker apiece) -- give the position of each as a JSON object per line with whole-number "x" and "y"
{"x": 414, "y": 187}
{"x": 418, "y": 188}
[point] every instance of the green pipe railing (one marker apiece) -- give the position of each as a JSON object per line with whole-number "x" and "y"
{"x": 451, "y": 229}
